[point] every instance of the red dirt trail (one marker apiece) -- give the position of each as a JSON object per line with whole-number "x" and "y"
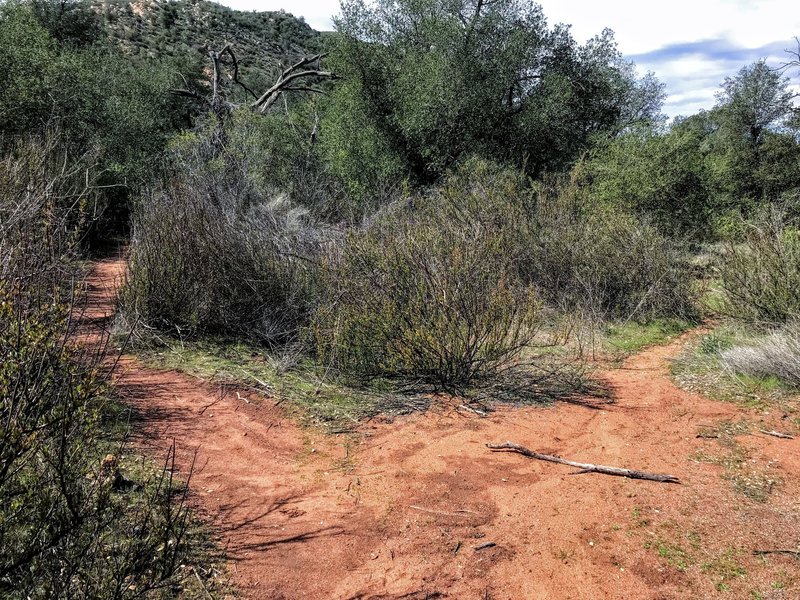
{"x": 398, "y": 510}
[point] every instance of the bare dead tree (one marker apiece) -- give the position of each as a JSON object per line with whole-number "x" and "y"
{"x": 292, "y": 79}
{"x": 793, "y": 60}
{"x": 302, "y": 76}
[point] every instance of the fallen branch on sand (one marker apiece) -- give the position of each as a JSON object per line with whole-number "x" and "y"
{"x": 457, "y": 513}
{"x": 777, "y": 434}
{"x": 795, "y": 553}
{"x": 585, "y": 467}
{"x": 485, "y": 545}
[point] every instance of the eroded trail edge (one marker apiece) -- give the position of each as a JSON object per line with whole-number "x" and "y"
{"x": 400, "y": 509}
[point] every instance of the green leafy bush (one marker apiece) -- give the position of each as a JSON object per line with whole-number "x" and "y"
{"x": 428, "y": 294}
{"x": 760, "y": 276}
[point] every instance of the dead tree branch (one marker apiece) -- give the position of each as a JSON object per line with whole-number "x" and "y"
{"x": 777, "y": 434}
{"x": 289, "y": 75}
{"x": 298, "y": 77}
{"x": 795, "y": 553}
{"x": 584, "y": 467}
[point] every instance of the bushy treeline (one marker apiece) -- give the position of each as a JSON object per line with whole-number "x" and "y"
{"x": 444, "y": 286}
{"x": 708, "y": 171}
{"x": 473, "y": 172}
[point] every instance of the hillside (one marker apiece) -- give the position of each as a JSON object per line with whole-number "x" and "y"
{"x": 170, "y": 28}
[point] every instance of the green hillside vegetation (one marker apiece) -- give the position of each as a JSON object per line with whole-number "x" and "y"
{"x": 155, "y": 29}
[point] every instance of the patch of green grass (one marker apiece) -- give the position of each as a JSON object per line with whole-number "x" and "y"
{"x": 318, "y": 398}
{"x": 724, "y": 569}
{"x": 638, "y": 519}
{"x": 747, "y": 479}
{"x": 699, "y": 369}
{"x": 674, "y": 554}
{"x": 632, "y": 337}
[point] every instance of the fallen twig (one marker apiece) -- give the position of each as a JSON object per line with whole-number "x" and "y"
{"x": 470, "y": 409}
{"x": 777, "y": 434}
{"x": 485, "y": 545}
{"x": 459, "y": 513}
{"x": 202, "y": 585}
{"x": 795, "y": 553}
{"x": 585, "y": 467}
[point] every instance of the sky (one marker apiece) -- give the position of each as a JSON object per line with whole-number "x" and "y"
{"x": 691, "y": 45}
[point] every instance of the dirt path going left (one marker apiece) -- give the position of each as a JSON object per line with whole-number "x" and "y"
{"x": 400, "y": 510}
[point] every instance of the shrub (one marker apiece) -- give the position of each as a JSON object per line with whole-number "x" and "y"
{"x": 428, "y": 293}
{"x": 608, "y": 263}
{"x": 213, "y": 252}
{"x": 760, "y": 276}
{"x": 775, "y": 355}
{"x": 67, "y": 528}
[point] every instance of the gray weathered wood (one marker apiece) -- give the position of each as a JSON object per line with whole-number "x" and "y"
{"x": 584, "y": 467}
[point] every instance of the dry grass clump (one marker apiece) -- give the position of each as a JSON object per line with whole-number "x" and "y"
{"x": 776, "y": 354}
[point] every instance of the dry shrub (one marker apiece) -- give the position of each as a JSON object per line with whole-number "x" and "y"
{"x": 774, "y": 355}
{"x": 63, "y": 534}
{"x": 760, "y": 276}
{"x": 447, "y": 288}
{"x": 214, "y": 252}
{"x": 428, "y": 293}
{"x": 608, "y": 264}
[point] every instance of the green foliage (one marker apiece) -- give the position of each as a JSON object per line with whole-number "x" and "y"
{"x": 70, "y": 525}
{"x": 429, "y": 295}
{"x": 118, "y": 112}
{"x": 175, "y": 29}
{"x": 27, "y": 52}
{"x": 69, "y": 22}
{"x": 355, "y": 149}
{"x": 216, "y": 251}
{"x": 437, "y": 80}
{"x": 756, "y": 99}
{"x": 760, "y": 276}
{"x": 709, "y": 170}
{"x": 660, "y": 177}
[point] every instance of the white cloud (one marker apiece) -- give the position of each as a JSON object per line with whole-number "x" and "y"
{"x": 644, "y": 26}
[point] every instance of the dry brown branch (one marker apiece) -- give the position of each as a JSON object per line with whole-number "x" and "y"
{"x": 795, "y": 553}
{"x": 585, "y": 467}
{"x": 485, "y": 545}
{"x": 291, "y": 79}
{"x": 289, "y": 75}
{"x": 459, "y": 513}
{"x": 777, "y": 434}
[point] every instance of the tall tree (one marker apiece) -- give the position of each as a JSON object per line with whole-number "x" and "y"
{"x": 756, "y": 99}
{"x": 438, "y": 79}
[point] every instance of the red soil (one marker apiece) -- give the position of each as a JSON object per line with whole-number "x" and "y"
{"x": 397, "y": 510}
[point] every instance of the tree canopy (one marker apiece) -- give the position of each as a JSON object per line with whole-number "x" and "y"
{"x": 439, "y": 79}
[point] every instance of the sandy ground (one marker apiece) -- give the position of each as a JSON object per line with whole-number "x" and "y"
{"x": 399, "y": 509}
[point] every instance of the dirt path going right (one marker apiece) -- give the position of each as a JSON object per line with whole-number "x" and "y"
{"x": 398, "y": 510}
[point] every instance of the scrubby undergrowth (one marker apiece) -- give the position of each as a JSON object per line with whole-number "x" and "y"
{"x": 71, "y": 524}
